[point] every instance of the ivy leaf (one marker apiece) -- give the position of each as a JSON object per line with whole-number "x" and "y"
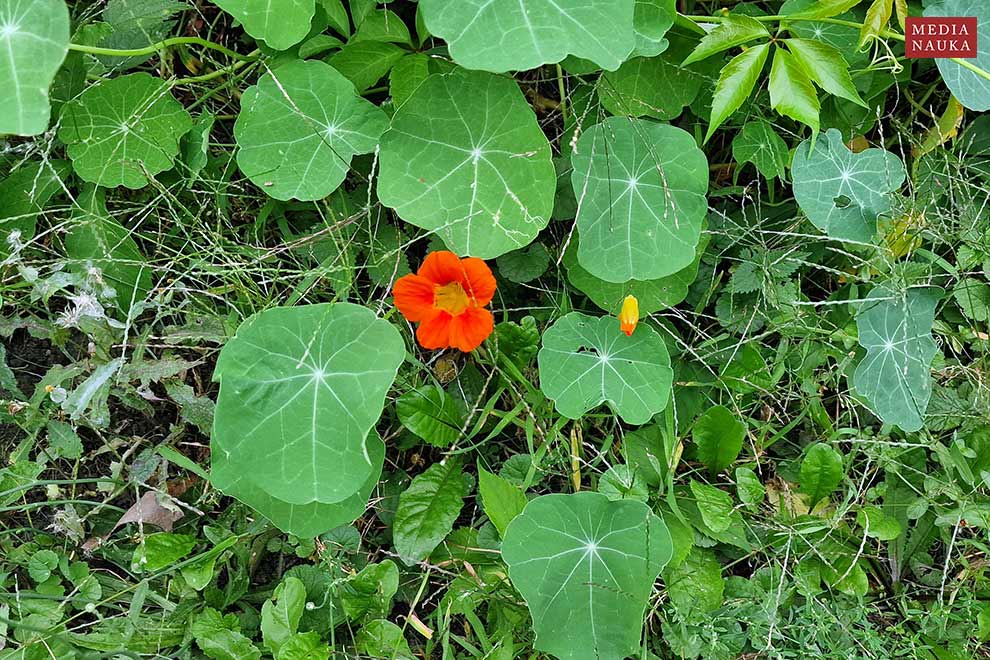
{"x": 826, "y": 66}
{"x": 641, "y": 199}
{"x": 791, "y": 91}
{"x": 969, "y": 87}
{"x": 586, "y": 567}
{"x": 821, "y": 472}
{"x": 586, "y": 361}
{"x": 432, "y": 415}
{"x": 34, "y": 40}
{"x": 122, "y": 130}
{"x": 466, "y": 159}
{"x": 281, "y": 24}
{"x": 843, "y": 193}
{"x": 428, "y": 508}
{"x": 300, "y": 126}
{"x": 731, "y": 31}
{"x": 735, "y": 84}
{"x": 719, "y": 437}
{"x": 502, "y": 501}
{"x": 504, "y": 35}
{"x": 300, "y": 388}
{"x": 760, "y": 144}
{"x": 895, "y": 328}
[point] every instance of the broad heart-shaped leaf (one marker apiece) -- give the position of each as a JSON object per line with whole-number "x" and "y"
{"x": 122, "y": 130}
{"x": 653, "y": 295}
{"x": 303, "y": 520}
{"x": 466, "y": 159}
{"x": 34, "y": 39}
{"x": 641, "y": 189}
{"x": 586, "y": 567}
{"x": 586, "y": 361}
{"x": 300, "y": 388}
{"x": 760, "y": 144}
{"x": 428, "y": 508}
{"x": 841, "y": 192}
{"x": 509, "y": 35}
{"x": 279, "y": 23}
{"x": 895, "y": 328}
{"x": 300, "y": 126}
{"x": 970, "y": 88}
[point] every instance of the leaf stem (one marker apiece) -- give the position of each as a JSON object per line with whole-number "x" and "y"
{"x": 156, "y": 47}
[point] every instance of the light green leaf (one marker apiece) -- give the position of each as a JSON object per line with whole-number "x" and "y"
{"x": 382, "y": 639}
{"x": 843, "y": 38}
{"x": 24, "y": 194}
{"x": 300, "y": 388}
{"x": 366, "y": 62}
{"x": 878, "y": 525}
{"x": 407, "y": 75}
{"x": 895, "y": 328}
{"x": 501, "y": 500}
{"x": 714, "y": 504}
{"x": 644, "y": 451}
{"x": 826, "y": 66}
{"x": 973, "y": 297}
{"x": 759, "y": 143}
{"x": 41, "y": 564}
{"x": 586, "y": 567}
{"x": 719, "y": 436}
{"x": 621, "y": 482}
{"x": 826, "y": 8}
{"x": 736, "y": 83}
{"x": 466, "y": 159}
{"x": 122, "y": 130}
{"x": 749, "y": 488}
{"x": 428, "y": 412}
{"x": 304, "y": 646}
{"x": 279, "y": 23}
{"x": 136, "y": 24}
{"x": 34, "y": 40}
{"x": 651, "y": 21}
{"x": 695, "y": 585}
{"x": 733, "y": 30}
{"x": 507, "y": 35}
{"x": 841, "y": 192}
{"x": 586, "y": 361}
{"x": 641, "y": 199}
{"x": 95, "y": 239}
{"x": 969, "y": 87}
{"x": 791, "y": 91}
{"x": 219, "y": 636}
{"x": 280, "y": 615}
{"x": 382, "y": 25}
{"x": 369, "y": 593}
{"x": 156, "y": 551}
{"x": 821, "y": 472}
{"x": 300, "y": 126}
{"x": 428, "y": 508}
{"x": 877, "y": 18}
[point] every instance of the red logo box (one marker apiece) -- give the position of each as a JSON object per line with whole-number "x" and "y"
{"x": 940, "y": 37}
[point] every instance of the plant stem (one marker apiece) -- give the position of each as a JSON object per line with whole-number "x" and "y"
{"x": 155, "y": 47}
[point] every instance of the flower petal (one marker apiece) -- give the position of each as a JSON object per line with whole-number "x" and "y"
{"x": 414, "y": 297}
{"x": 469, "y": 329}
{"x": 434, "y": 332}
{"x": 442, "y": 267}
{"x": 478, "y": 280}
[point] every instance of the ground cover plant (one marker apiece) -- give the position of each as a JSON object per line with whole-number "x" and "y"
{"x": 579, "y": 329}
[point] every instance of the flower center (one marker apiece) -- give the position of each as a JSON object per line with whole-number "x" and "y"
{"x": 451, "y": 298}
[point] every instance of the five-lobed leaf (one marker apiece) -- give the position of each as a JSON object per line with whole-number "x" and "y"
{"x": 736, "y": 82}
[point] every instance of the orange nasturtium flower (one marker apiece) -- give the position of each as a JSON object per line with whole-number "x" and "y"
{"x": 629, "y": 316}
{"x": 447, "y": 297}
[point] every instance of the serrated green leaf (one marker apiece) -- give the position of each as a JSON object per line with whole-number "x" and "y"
{"x": 736, "y": 83}
{"x": 719, "y": 437}
{"x": 641, "y": 199}
{"x": 821, "y": 472}
{"x": 586, "y": 567}
{"x": 791, "y": 91}
{"x": 504, "y": 35}
{"x": 502, "y": 501}
{"x": 34, "y": 40}
{"x": 826, "y": 8}
{"x": 428, "y": 412}
{"x": 826, "y": 66}
{"x": 969, "y": 87}
{"x": 484, "y": 186}
{"x": 586, "y": 361}
{"x": 281, "y": 24}
{"x": 760, "y": 144}
{"x": 428, "y": 508}
{"x": 733, "y": 30}
{"x": 407, "y": 75}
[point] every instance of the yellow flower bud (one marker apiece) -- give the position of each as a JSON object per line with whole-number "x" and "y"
{"x": 629, "y": 316}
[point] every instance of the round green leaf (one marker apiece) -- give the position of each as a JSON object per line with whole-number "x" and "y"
{"x": 122, "y": 130}
{"x": 280, "y": 24}
{"x": 641, "y": 199}
{"x": 34, "y": 40}
{"x": 586, "y": 567}
{"x": 586, "y": 361}
{"x": 843, "y": 193}
{"x": 821, "y": 472}
{"x": 466, "y": 159}
{"x": 300, "y": 126}
{"x": 718, "y": 435}
{"x": 970, "y": 88}
{"x": 300, "y": 388}
{"x": 525, "y": 264}
{"x": 894, "y": 377}
{"x": 509, "y": 35}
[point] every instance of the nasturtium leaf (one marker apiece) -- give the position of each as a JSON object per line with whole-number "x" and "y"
{"x": 641, "y": 189}
{"x": 431, "y": 414}
{"x": 466, "y": 159}
{"x": 279, "y": 23}
{"x": 651, "y": 21}
{"x": 653, "y": 295}
{"x": 34, "y": 39}
{"x": 760, "y": 144}
{"x": 508, "y": 35}
{"x": 524, "y": 264}
{"x": 303, "y": 520}
{"x": 821, "y": 472}
{"x": 122, "y": 130}
{"x": 24, "y": 194}
{"x": 300, "y": 388}
{"x": 895, "y": 328}
{"x": 586, "y": 567}
{"x": 428, "y": 508}
{"x": 842, "y": 192}
{"x": 969, "y": 87}
{"x": 718, "y": 436}
{"x": 586, "y": 361}
{"x": 791, "y": 91}
{"x": 300, "y": 126}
